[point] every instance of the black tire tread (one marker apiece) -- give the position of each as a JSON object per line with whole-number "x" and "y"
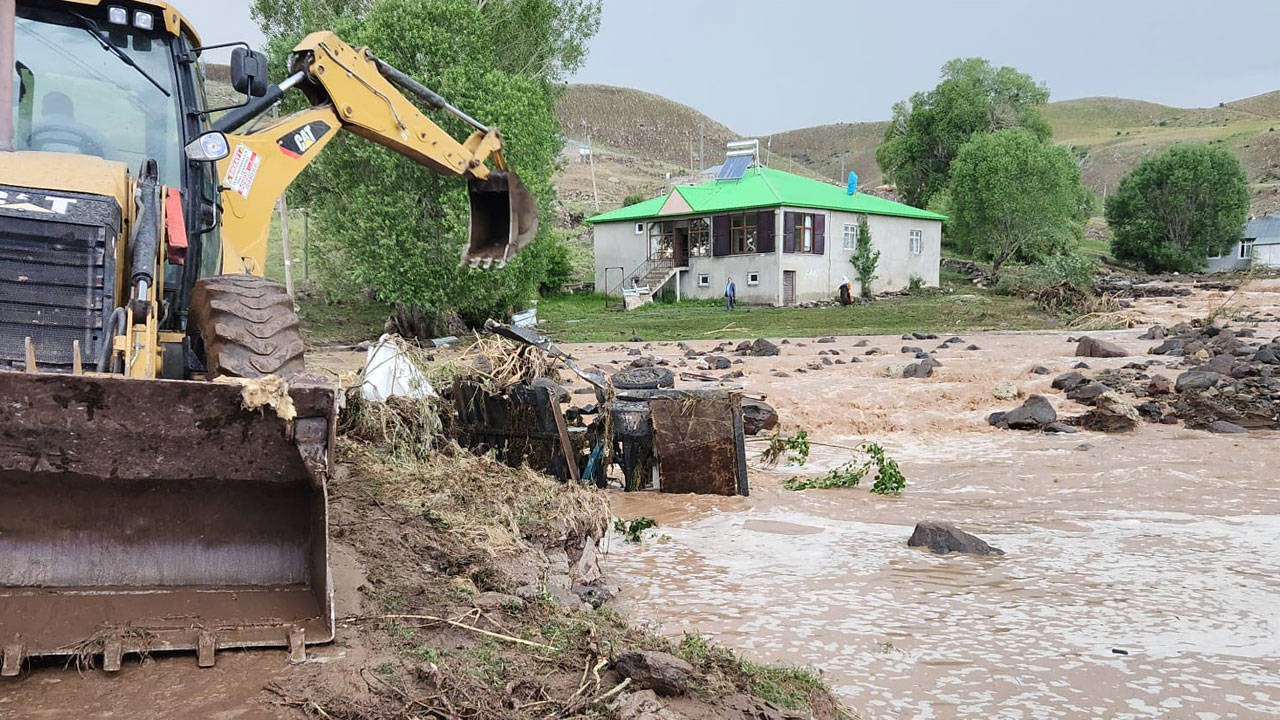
{"x": 248, "y": 325}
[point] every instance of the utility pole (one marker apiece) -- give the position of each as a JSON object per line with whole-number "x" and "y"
{"x": 702, "y": 158}
{"x": 7, "y": 11}
{"x": 591, "y": 158}
{"x": 284, "y": 245}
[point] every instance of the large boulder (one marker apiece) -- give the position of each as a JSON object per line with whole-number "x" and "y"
{"x": 1226, "y": 428}
{"x": 1033, "y": 414}
{"x": 1093, "y": 347}
{"x": 1087, "y": 394}
{"x": 762, "y": 348}
{"x": 1196, "y": 380}
{"x": 944, "y": 538}
{"x": 660, "y": 672}
{"x": 922, "y": 369}
{"x": 1068, "y": 381}
{"x": 1111, "y": 413}
{"x": 758, "y": 416}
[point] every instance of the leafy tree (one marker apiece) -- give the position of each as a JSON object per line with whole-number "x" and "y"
{"x": 1175, "y": 209}
{"x": 1015, "y": 196}
{"x": 927, "y": 132}
{"x": 397, "y": 228}
{"x": 865, "y": 258}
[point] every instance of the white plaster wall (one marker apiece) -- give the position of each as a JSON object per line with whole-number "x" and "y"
{"x": 617, "y": 244}
{"x": 720, "y": 269}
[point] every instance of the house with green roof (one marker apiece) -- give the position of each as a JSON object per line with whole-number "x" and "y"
{"x": 783, "y": 239}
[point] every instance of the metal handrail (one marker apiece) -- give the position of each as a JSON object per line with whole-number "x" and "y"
{"x": 650, "y": 264}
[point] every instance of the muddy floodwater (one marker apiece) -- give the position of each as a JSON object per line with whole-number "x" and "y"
{"x": 1142, "y": 574}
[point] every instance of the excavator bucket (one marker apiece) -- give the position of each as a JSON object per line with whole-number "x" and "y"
{"x": 504, "y": 219}
{"x": 139, "y": 516}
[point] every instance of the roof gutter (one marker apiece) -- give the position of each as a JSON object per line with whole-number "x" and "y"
{"x": 8, "y": 12}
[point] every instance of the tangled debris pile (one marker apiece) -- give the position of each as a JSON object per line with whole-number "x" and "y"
{"x": 481, "y": 597}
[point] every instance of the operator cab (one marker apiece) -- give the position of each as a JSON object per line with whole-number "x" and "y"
{"x": 98, "y": 81}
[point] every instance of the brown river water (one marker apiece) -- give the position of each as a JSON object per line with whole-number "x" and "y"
{"x": 1142, "y": 574}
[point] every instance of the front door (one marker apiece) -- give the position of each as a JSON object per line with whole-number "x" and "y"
{"x": 681, "y": 246}
{"x": 788, "y": 287}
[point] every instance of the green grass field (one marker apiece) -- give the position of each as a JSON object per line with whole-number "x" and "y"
{"x": 582, "y": 318}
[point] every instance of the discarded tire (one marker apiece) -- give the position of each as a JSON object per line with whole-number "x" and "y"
{"x": 643, "y": 378}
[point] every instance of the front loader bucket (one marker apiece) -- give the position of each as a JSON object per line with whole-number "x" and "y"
{"x": 504, "y": 218}
{"x": 155, "y": 515}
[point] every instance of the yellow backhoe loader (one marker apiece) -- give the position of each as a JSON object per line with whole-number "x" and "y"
{"x": 143, "y": 507}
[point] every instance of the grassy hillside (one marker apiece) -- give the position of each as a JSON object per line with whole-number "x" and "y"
{"x": 1109, "y": 134}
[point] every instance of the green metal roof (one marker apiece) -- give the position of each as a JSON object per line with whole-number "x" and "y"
{"x": 765, "y": 187}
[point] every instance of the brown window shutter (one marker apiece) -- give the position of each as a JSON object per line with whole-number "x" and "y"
{"x": 819, "y": 234}
{"x": 764, "y": 232}
{"x": 720, "y": 235}
{"x": 788, "y": 232}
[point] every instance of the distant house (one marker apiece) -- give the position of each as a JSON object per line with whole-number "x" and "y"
{"x": 1259, "y": 246}
{"x": 784, "y": 239}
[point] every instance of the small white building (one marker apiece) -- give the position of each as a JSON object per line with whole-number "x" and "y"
{"x": 784, "y": 239}
{"x": 1259, "y": 246}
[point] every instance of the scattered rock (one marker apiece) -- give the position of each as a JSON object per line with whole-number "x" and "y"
{"x": 1005, "y": 391}
{"x": 924, "y": 336}
{"x": 944, "y": 538}
{"x": 1087, "y": 393}
{"x": 827, "y": 339}
{"x": 1226, "y": 428}
{"x": 1040, "y": 370}
{"x": 910, "y": 350}
{"x": 1068, "y": 381}
{"x": 1080, "y": 366}
{"x": 1196, "y": 380}
{"x": 1034, "y": 414}
{"x": 661, "y": 672}
{"x": 860, "y": 343}
{"x": 1111, "y": 413}
{"x": 973, "y": 347}
{"x": 1095, "y": 348}
{"x": 642, "y": 705}
{"x": 922, "y": 369}
{"x": 1060, "y": 428}
{"x": 1155, "y": 332}
{"x": 763, "y": 348}
{"x": 758, "y": 416}
{"x": 718, "y": 362}
{"x": 593, "y": 595}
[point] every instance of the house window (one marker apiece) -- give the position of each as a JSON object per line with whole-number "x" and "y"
{"x": 661, "y": 236}
{"x": 704, "y": 280}
{"x": 915, "y": 242}
{"x": 700, "y": 237}
{"x": 1217, "y": 255}
{"x": 1246, "y": 250}
{"x": 850, "y": 236}
{"x": 753, "y": 278}
{"x": 742, "y": 232}
{"x": 639, "y": 228}
{"x": 804, "y": 232}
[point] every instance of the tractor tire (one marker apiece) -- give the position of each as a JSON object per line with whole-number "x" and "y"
{"x": 643, "y": 378}
{"x": 248, "y": 326}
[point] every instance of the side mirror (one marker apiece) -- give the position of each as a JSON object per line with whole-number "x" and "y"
{"x": 209, "y": 147}
{"x": 249, "y": 72}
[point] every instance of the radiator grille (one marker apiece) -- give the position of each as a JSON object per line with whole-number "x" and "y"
{"x": 56, "y": 282}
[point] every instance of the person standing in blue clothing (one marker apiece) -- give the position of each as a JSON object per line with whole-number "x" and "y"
{"x": 730, "y": 294}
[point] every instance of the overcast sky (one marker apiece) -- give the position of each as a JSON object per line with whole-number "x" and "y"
{"x": 762, "y": 66}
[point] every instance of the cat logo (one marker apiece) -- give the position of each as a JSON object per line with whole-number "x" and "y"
{"x": 298, "y": 142}
{"x": 27, "y": 202}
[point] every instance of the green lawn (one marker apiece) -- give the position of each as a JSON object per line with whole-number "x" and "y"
{"x": 582, "y": 318}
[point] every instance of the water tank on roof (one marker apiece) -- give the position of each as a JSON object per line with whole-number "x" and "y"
{"x": 853, "y": 182}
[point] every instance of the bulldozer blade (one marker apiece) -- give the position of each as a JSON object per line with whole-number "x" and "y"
{"x": 160, "y": 515}
{"x": 504, "y": 219}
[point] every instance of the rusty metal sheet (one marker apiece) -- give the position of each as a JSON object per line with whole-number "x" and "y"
{"x": 699, "y": 444}
{"x": 139, "y": 515}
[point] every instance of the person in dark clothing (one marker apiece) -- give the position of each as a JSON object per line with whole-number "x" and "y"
{"x": 730, "y": 294}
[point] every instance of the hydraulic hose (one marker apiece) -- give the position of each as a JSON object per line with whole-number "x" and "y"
{"x": 114, "y": 325}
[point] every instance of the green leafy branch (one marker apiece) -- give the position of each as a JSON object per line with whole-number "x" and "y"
{"x": 889, "y": 479}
